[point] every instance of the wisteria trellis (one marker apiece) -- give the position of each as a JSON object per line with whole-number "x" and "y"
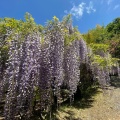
{"x": 45, "y": 66}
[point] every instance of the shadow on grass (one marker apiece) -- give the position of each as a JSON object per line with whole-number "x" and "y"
{"x": 86, "y": 99}
{"x": 115, "y": 81}
{"x": 83, "y": 99}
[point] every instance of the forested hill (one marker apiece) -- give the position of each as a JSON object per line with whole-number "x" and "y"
{"x": 43, "y": 66}
{"x": 109, "y": 35}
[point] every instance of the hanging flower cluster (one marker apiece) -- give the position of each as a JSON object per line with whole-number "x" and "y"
{"x": 44, "y": 82}
{"x": 56, "y": 59}
{"x": 103, "y": 66}
{"x": 83, "y": 51}
{"x": 72, "y": 67}
{"x": 22, "y": 74}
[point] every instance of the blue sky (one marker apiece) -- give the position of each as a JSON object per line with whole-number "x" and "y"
{"x": 86, "y": 13}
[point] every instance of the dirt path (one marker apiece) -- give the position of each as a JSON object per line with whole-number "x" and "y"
{"x": 104, "y": 106}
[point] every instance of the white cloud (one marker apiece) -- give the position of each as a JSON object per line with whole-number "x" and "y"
{"x": 79, "y": 10}
{"x": 116, "y": 6}
{"x": 109, "y": 2}
{"x": 90, "y": 8}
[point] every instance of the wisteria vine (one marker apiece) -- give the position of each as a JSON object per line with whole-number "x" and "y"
{"x": 39, "y": 66}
